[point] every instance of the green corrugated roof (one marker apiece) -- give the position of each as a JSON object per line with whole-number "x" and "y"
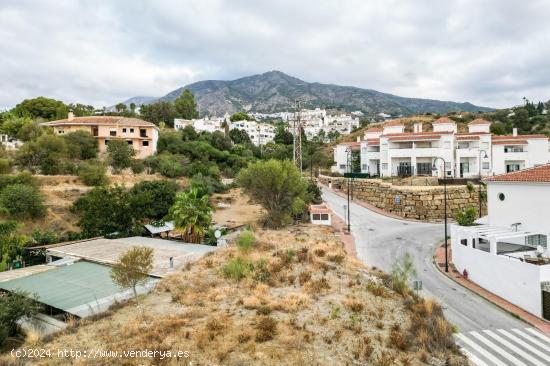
{"x": 69, "y": 286}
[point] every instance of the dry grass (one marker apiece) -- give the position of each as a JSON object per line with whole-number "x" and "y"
{"x": 300, "y": 301}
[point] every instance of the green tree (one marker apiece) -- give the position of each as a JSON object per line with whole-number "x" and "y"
{"x": 81, "y": 110}
{"x": 521, "y": 120}
{"x": 278, "y": 187}
{"x": 498, "y": 128}
{"x": 121, "y": 108}
{"x": 133, "y": 268}
{"x": 240, "y": 116}
{"x": 170, "y": 165}
{"x": 81, "y": 145}
{"x": 30, "y": 132}
{"x": 104, "y": 211}
{"x": 14, "y": 306}
{"x": 185, "y": 105}
{"x": 282, "y": 136}
{"x": 192, "y": 215}
{"x": 45, "y": 153}
{"x": 22, "y": 201}
{"x": 133, "y": 107}
{"x": 13, "y": 125}
{"x": 41, "y": 107}
{"x": 162, "y": 111}
{"x": 239, "y": 136}
{"x": 120, "y": 154}
{"x": 93, "y": 173}
{"x": 154, "y": 198}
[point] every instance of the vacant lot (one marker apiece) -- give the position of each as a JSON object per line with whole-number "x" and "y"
{"x": 294, "y": 298}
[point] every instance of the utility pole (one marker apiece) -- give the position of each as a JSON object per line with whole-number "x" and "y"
{"x": 298, "y": 135}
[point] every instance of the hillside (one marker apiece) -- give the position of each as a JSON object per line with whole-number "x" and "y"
{"x": 275, "y": 91}
{"x": 303, "y": 301}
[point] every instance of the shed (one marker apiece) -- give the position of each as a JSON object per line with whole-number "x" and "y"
{"x": 157, "y": 230}
{"x": 320, "y": 215}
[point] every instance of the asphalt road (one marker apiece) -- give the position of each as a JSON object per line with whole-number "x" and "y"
{"x": 380, "y": 240}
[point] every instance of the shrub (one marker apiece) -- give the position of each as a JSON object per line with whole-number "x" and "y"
{"x": 137, "y": 166}
{"x": 21, "y": 178}
{"x": 22, "y": 201}
{"x": 401, "y": 272}
{"x": 169, "y": 166}
{"x": 261, "y": 272}
{"x": 81, "y": 145}
{"x": 13, "y": 307}
{"x": 470, "y": 187}
{"x": 245, "y": 241}
{"x": 153, "y": 198}
{"x": 466, "y": 217}
{"x": 93, "y": 173}
{"x": 5, "y": 166}
{"x": 266, "y": 329}
{"x": 236, "y": 269}
{"x": 120, "y": 154}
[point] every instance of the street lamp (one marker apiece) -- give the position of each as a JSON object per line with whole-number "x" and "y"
{"x": 445, "y": 205}
{"x": 479, "y": 182}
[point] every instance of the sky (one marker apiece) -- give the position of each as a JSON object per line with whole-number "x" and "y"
{"x": 488, "y": 52}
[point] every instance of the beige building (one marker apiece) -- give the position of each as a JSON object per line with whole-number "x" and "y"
{"x": 142, "y": 135}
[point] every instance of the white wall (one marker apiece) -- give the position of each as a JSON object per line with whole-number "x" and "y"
{"x": 479, "y": 128}
{"x": 528, "y": 203}
{"x": 517, "y": 282}
{"x": 444, "y": 127}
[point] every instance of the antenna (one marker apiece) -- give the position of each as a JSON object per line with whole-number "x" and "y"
{"x": 298, "y": 135}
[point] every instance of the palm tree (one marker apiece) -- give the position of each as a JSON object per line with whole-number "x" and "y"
{"x": 192, "y": 215}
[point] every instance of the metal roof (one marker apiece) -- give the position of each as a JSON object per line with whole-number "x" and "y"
{"x": 73, "y": 288}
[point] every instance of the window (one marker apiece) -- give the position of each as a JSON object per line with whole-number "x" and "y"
{"x": 464, "y": 242}
{"x": 512, "y": 168}
{"x": 123, "y": 130}
{"x": 112, "y": 133}
{"x": 145, "y": 143}
{"x": 342, "y": 166}
{"x": 364, "y": 167}
{"x": 501, "y": 196}
{"x": 485, "y": 165}
{"x": 316, "y": 217}
{"x": 142, "y": 132}
{"x": 130, "y": 142}
{"x": 324, "y": 217}
{"x": 511, "y": 149}
{"x": 131, "y": 130}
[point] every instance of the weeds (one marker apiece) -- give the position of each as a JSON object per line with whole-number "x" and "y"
{"x": 266, "y": 329}
{"x": 236, "y": 269}
{"x": 245, "y": 241}
{"x": 401, "y": 272}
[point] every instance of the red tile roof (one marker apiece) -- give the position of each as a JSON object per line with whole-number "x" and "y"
{"x": 416, "y": 136}
{"x": 318, "y": 209}
{"x": 470, "y": 136}
{"x": 479, "y": 121}
{"x": 373, "y": 141}
{"x": 101, "y": 120}
{"x": 393, "y": 123}
{"x": 538, "y": 174}
{"x": 510, "y": 142}
{"x": 443, "y": 120}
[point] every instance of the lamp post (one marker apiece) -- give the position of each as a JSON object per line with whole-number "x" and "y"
{"x": 479, "y": 182}
{"x": 348, "y": 156}
{"x": 445, "y": 206}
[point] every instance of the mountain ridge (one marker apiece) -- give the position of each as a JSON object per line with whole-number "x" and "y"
{"x": 275, "y": 91}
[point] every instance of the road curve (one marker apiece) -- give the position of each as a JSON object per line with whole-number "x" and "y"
{"x": 380, "y": 240}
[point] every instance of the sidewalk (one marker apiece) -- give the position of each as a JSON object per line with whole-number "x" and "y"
{"x": 349, "y": 243}
{"x": 454, "y": 275}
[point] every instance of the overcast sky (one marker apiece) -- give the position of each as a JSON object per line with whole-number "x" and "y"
{"x": 490, "y": 53}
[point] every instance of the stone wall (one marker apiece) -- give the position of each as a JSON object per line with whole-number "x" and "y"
{"x": 411, "y": 202}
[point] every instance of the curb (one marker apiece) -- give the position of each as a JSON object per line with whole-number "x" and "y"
{"x": 500, "y": 306}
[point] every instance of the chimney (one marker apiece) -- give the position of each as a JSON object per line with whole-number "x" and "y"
{"x": 70, "y": 117}
{"x": 417, "y": 127}
{"x": 514, "y": 131}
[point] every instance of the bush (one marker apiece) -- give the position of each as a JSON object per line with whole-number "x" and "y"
{"x": 206, "y": 184}
{"x": 93, "y": 173}
{"x": 401, "y": 272}
{"x": 466, "y": 217}
{"x": 5, "y": 166}
{"x": 153, "y": 198}
{"x": 81, "y": 145}
{"x": 169, "y": 166}
{"x": 120, "y": 154}
{"x": 21, "y": 178}
{"x": 137, "y": 166}
{"x": 236, "y": 269}
{"x": 13, "y": 307}
{"x": 245, "y": 241}
{"x": 266, "y": 329}
{"x": 22, "y": 201}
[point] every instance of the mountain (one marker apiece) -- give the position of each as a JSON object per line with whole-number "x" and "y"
{"x": 138, "y": 101}
{"x": 275, "y": 91}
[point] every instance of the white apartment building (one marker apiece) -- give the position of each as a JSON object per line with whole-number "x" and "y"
{"x": 206, "y": 124}
{"x": 508, "y": 253}
{"x": 342, "y": 156}
{"x": 259, "y": 133}
{"x": 393, "y": 152}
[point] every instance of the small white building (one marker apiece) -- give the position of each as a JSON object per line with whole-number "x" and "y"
{"x": 10, "y": 143}
{"x": 342, "y": 156}
{"x": 509, "y": 255}
{"x": 320, "y": 215}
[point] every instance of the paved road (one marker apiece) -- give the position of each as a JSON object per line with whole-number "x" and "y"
{"x": 380, "y": 240}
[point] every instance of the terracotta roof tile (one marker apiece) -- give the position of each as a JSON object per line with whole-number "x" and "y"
{"x": 537, "y": 174}
{"x": 479, "y": 121}
{"x": 373, "y": 141}
{"x": 443, "y": 120}
{"x": 101, "y": 120}
{"x": 317, "y": 209}
{"x": 510, "y": 142}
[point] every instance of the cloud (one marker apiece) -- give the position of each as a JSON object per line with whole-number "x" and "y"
{"x": 101, "y": 52}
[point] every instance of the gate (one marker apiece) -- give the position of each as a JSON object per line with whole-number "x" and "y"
{"x": 546, "y": 304}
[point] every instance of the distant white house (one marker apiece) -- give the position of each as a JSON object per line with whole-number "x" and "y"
{"x": 10, "y": 143}
{"x": 509, "y": 254}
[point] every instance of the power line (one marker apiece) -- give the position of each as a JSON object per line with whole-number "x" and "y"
{"x": 298, "y": 135}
